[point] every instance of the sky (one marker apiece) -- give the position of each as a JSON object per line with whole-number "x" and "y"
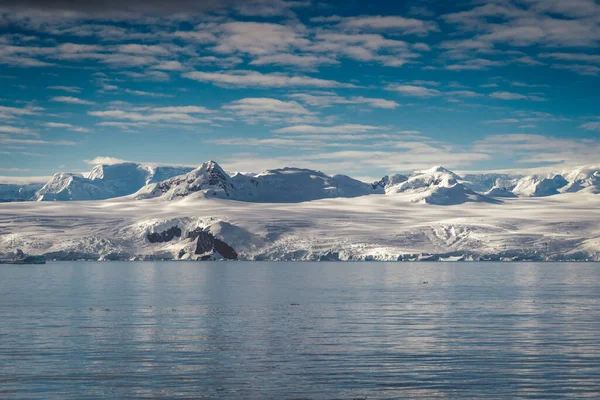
{"x": 363, "y": 88}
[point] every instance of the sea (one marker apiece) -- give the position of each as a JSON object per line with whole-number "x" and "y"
{"x": 299, "y": 330}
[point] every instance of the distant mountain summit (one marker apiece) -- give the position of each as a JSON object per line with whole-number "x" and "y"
{"x": 104, "y": 182}
{"x": 286, "y": 185}
{"x": 436, "y": 185}
{"x": 209, "y": 179}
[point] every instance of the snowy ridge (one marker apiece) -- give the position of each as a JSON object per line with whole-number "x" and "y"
{"x": 286, "y": 185}
{"x": 104, "y": 182}
{"x": 436, "y": 185}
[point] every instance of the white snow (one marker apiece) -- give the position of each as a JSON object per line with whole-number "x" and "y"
{"x": 435, "y": 186}
{"x": 373, "y": 227}
{"x": 287, "y": 185}
{"x": 104, "y": 182}
{"x": 300, "y": 214}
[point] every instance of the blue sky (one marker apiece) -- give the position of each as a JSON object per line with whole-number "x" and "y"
{"x": 361, "y": 88}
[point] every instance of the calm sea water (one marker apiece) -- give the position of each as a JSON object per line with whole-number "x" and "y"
{"x": 299, "y": 330}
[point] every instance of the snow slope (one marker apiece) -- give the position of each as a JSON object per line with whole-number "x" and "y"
{"x": 373, "y": 227}
{"x": 104, "y": 182}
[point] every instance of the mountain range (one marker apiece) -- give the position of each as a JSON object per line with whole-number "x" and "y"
{"x": 139, "y": 212}
{"x": 294, "y": 185}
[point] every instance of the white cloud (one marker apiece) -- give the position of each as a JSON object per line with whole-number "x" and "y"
{"x": 257, "y": 79}
{"x": 4, "y": 139}
{"x": 252, "y": 106}
{"x": 345, "y": 128}
{"x": 329, "y": 99}
{"x": 389, "y": 23}
{"x": 534, "y": 22}
{"x": 169, "y": 66}
{"x": 257, "y": 38}
{"x": 23, "y": 180}
{"x": 270, "y": 8}
{"x": 127, "y": 126}
{"x": 144, "y": 93}
{"x": 11, "y": 112}
{"x": 143, "y": 49}
{"x": 181, "y": 118}
{"x": 105, "y": 161}
{"x": 503, "y": 121}
{"x": 590, "y": 70}
{"x": 302, "y": 61}
{"x": 514, "y": 96}
{"x": 591, "y": 58}
{"x": 70, "y": 89}
{"x": 591, "y": 126}
{"x": 16, "y": 130}
{"x": 196, "y": 36}
{"x": 183, "y": 109}
{"x": 363, "y": 47}
{"x": 463, "y": 93}
{"x": 530, "y": 148}
{"x": 152, "y": 75}
{"x": 412, "y": 90}
{"x": 66, "y": 126}
{"x": 474, "y": 64}
{"x": 71, "y": 100}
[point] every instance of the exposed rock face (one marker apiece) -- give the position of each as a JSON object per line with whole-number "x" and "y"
{"x": 208, "y": 178}
{"x": 388, "y": 181}
{"x": 225, "y": 250}
{"x": 286, "y": 185}
{"x": 165, "y": 236}
{"x": 207, "y": 244}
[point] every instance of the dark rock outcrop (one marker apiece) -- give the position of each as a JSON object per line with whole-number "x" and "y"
{"x": 164, "y": 236}
{"x": 207, "y": 243}
{"x": 225, "y": 250}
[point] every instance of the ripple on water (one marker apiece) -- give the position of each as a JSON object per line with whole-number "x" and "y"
{"x": 300, "y": 331}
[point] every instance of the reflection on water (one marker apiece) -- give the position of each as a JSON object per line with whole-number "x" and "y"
{"x": 299, "y": 330}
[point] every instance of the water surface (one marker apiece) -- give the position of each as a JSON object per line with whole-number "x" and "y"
{"x": 299, "y": 330}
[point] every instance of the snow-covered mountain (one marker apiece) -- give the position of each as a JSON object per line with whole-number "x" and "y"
{"x": 15, "y": 192}
{"x": 105, "y": 182}
{"x": 209, "y": 180}
{"x": 294, "y": 185}
{"x": 484, "y": 182}
{"x": 436, "y": 186}
{"x": 586, "y": 179}
{"x": 539, "y": 185}
{"x": 300, "y": 214}
{"x": 287, "y": 185}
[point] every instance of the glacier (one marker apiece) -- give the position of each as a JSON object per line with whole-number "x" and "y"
{"x": 300, "y": 214}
